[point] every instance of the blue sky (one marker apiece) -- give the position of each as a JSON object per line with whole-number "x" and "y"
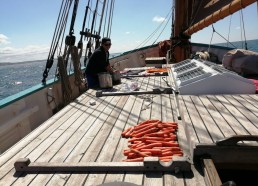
{"x": 27, "y": 26}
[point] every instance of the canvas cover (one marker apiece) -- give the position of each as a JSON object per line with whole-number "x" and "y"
{"x": 241, "y": 61}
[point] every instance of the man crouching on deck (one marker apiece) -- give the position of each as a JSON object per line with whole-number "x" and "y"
{"x": 98, "y": 62}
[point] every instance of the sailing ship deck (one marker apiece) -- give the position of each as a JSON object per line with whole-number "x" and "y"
{"x": 84, "y": 132}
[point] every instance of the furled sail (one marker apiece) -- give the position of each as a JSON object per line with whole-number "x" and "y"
{"x": 207, "y": 12}
{"x": 204, "y": 8}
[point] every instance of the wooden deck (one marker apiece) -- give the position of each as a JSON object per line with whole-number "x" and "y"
{"x": 83, "y": 132}
{"x": 210, "y": 118}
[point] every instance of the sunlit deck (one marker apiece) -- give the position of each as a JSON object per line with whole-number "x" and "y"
{"x": 84, "y": 132}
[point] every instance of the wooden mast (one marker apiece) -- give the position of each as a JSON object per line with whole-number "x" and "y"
{"x": 180, "y": 24}
{"x": 227, "y": 10}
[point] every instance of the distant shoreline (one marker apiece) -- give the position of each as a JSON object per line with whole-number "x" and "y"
{"x": 23, "y": 62}
{"x": 252, "y": 45}
{"x": 41, "y": 60}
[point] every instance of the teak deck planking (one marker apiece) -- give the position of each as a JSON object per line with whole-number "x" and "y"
{"x": 82, "y": 132}
{"x": 209, "y": 118}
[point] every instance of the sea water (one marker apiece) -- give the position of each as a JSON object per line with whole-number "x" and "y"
{"x": 251, "y": 45}
{"x": 17, "y": 77}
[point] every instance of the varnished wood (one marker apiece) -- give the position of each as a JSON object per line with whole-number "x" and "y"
{"x": 210, "y": 173}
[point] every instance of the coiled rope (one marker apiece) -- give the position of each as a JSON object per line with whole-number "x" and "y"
{"x": 66, "y": 87}
{"x": 79, "y": 80}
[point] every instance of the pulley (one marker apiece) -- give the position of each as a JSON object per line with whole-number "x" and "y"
{"x": 70, "y": 40}
{"x": 80, "y": 45}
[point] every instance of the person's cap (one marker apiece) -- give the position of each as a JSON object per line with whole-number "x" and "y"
{"x": 106, "y": 40}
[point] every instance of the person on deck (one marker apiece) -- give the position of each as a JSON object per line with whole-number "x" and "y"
{"x": 98, "y": 62}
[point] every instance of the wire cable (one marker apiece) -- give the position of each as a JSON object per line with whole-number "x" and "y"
{"x": 153, "y": 33}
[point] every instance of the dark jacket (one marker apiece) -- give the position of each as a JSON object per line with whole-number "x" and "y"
{"x": 98, "y": 62}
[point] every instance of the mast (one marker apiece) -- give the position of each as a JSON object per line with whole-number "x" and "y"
{"x": 180, "y": 48}
{"x": 227, "y": 10}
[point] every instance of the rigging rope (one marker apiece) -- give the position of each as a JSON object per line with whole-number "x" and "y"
{"x": 89, "y": 33}
{"x": 93, "y": 23}
{"x": 101, "y": 18}
{"x": 211, "y": 37}
{"x": 227, "y": 40}
{"x": 63, "y": 34}
{"x": 162, "y": 29}
{"x": 110, "y": 18}
{"x": 171, "y": 53}
{"x": 241, "y": 34}
{"x": 243, "y": 26}
{"x": 59, "y": 29}
{"x": 93, "y": 33}
{"x": 222, "y": 36}
{"x": 155, "y": 31}
{"x": 61, "y": 71}
{"x": 229, "y": 28}
{"x": 80, "y": 44}
{"x": 103, "y": 35}
{"x": 61, "y": 25}
{"x": 87, "y": 30}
